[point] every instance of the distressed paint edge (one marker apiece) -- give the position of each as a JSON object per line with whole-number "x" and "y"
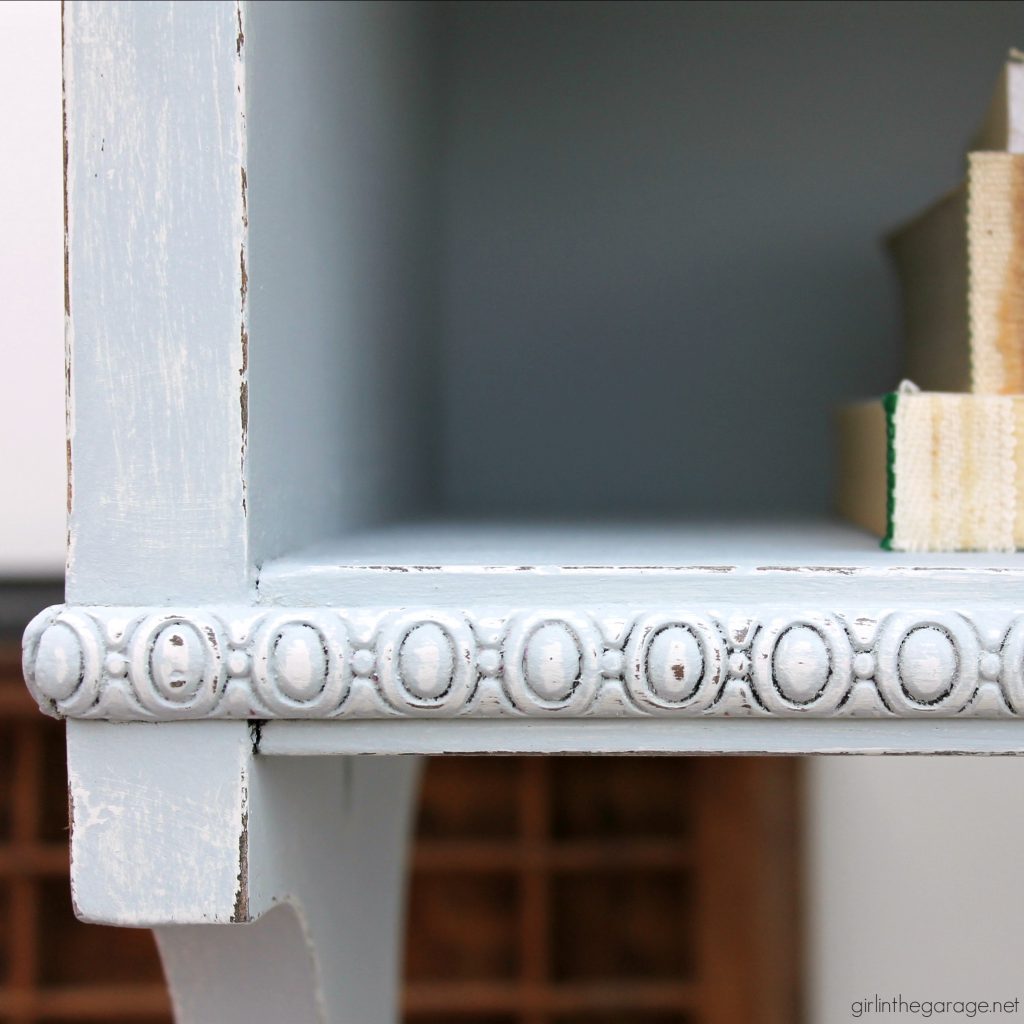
{"x": 66, "y": 73}
{"x": 649, "y": 737}
{"x": 240, "y": 576}
{"x": 110, "y": 764}
{"x": 241, "y": 114}
{"x": 430, "y": 663}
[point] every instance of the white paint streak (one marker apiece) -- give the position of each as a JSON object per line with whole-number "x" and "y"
{"x": 154, "y": 237}
{"x": 155, "y": 829}
{"x": 297, "y": 666}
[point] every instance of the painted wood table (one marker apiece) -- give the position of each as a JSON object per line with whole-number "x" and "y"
{"x": 252, "y": 655}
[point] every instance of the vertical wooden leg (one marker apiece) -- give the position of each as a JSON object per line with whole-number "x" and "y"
{"x": 749, "y": 866}
{"x": 180, "y": 826}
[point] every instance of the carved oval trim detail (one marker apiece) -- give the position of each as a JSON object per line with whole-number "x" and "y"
{"x": 301, "y": 667}
{"x": 62, "y": 660}
{"x": 426, "y": 663}
{"x": 1011, "y": 671}
{"x": 927, "y": 664}
{"x": 132, "y": 664}
{"x": 59, "y": 662}
{"x": 802, "y": 665}
{"x": 674, "y": 663}
{"x": 299, "y": 662}
{"x": 177, "y": 662}
{"x": 175, "y": 665}
{"x": 552, "y": 663}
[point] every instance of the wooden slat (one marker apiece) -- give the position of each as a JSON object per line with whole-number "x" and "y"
{"x": 47, "y": 860}
{"x": 749, "y": 941}
{"x": 87, "y": 1002}
{"x": 15, "y": 700}
{"x": 535, "y": 910}
{"x": 608, "y": 996}
{"x": 23, "y": 923}
{"x": 489, "y": 856}
{"x": 17, "y": 703}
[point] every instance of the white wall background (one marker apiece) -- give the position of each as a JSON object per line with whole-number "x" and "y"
{"x": 914, "y": 864}
{"x": 914, "y": 882}
{"x": 32, "y": 461}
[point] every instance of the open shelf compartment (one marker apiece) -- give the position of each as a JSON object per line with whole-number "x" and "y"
{"x": 492, "y": 266}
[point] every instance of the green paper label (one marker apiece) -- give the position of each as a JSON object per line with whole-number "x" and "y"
{"x": 889, "y": 404}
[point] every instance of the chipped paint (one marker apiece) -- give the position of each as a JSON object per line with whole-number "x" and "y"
{"x": 67, "y": 282}
{"x": 159, "y": 837}
{"x": 827, "y": 570}
{"x": 243, "y": 287}
{"x": 496, "y": 569}
{"x": 155, "y": 149}
{"x": 241, "y": 912}
{"x": 64, "y": 147}
{"x": 256, "y": 733}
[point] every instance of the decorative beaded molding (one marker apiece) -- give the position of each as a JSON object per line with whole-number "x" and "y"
{"x": 262, "y": 663}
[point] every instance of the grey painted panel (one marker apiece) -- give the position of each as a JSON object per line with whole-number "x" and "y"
{"x": 158, "y": 819}
{"x": 340, "y": 202}
{"x": 816, "y": 562}
{"x": 332, "y": 836}
{"x": 661, "y": 248}
{"x": 608, "y": 736}
{"x": 237, "y": 975}
{"x": 155, "y": 150}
